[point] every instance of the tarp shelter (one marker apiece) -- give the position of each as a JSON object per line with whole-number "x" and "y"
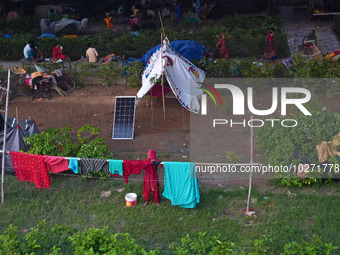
{"x": 15, "y": 137}
{"x": 184, "y": 78}
{"x": 191, "y": 50}
{"x": 56, "y": 26}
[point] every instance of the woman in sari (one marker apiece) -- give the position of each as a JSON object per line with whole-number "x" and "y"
{"x": 310, "y": 37}
{"x": 269, "y": 49}
{"x": 57, "y": 53}
{"x": 222, "y": 45}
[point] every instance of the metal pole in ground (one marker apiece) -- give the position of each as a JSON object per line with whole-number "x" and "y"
{"x": 251, "y": 163}
{"x": 4, "y": 143}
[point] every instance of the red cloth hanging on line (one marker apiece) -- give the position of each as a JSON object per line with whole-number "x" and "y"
{"x": 134, "y": 167}
{"x": 31, "y": 168}
{"x": 56, "y": 164}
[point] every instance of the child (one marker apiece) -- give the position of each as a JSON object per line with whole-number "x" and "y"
{"x": 151, "y": 180}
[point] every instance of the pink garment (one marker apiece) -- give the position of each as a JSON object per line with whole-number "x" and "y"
{"x": 56, "y": 164}
{"x": 133, "y": 21}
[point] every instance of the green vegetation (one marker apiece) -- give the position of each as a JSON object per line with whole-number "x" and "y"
{"x": 58, "y": 239}
{"x": 281, "y": 218}
{"x": 246, "y": 37}
{"x": 279, "y": 145}
{"x": 58, "y": 142}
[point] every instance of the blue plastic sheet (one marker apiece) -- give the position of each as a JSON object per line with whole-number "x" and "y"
{"x": 191, "y": 50}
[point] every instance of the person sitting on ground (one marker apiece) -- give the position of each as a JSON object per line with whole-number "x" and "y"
{"x": 222, "y": 45}
{"x": 91, "y": 54}
{"x": 311, "y": 36}
{"x": 57, "y": 52}
{"x": 28, "y": 48}
{"x": 35, "y": 55}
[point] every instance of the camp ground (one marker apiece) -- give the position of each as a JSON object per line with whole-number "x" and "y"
{"x": 170, "y": 128}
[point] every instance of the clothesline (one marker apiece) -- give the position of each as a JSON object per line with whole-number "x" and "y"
{"x": 160, "y": 180}
{"x": 197, "y": 163}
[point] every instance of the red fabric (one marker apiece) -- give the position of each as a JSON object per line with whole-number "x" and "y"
{"x": 57, "y": 53}
{"x": 115, "y": 175}
{"x": 151, "y": 184}
{"x": 56, "y": 164}
{"x": 156, "y": 90}
{"x": 134, "y": 167}
{"x": 31, "y": 168}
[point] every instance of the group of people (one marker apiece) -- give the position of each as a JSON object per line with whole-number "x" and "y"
{"x": 269, "y": 49}
{"x": 33, "y": 54}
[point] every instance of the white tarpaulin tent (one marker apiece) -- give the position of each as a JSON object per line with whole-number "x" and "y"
{"x": 184, "y": 78}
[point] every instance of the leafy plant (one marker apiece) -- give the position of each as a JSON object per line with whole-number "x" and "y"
{"x": 109, "y": 73}
{"x": 57, "y": 142}
{"x": 133, "y": 73}
{"x": 53, "y": 141}
{"x": 316, "y": 246}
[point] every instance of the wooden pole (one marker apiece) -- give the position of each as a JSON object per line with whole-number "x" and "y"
{"x": 162, "y": 80}
{"x": 251, "y": 163}
{"x": 151, "y": 112}
{"x": 160, "y": 18}
{"x": 183, "y": 118}
{"x": 17, "y": 115}
{"x": 4, "y": 142}
{"x": 3, "y": 8}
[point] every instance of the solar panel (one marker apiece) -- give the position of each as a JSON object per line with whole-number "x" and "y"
{"x": 124, "y": 118}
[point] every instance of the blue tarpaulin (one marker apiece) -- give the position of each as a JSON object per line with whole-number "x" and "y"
{"x": 191, "y": 50}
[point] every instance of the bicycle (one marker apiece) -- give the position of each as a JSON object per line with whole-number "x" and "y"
{"x": 66, "y": 83}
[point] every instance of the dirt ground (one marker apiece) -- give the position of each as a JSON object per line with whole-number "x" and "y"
{"x": 94, "y": 105}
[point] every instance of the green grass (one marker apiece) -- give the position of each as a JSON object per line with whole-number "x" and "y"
{"x": 284, "y": 217}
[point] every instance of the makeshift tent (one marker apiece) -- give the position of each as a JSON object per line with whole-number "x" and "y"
{"x": 184, "y": 78}
{"x": 191, "y": 50}
{"x": 15, "y": 137}
{"x": 56, "y": 26}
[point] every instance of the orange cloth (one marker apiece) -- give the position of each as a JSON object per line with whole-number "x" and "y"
{"x": 109, "y": 25}
{"x": 70, "y": 36}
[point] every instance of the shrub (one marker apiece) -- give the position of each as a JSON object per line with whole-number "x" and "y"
{"x": 47, "y": 239}
{"x": 58, "y": 142}
{"x": 133, "y": 73}
{"x": 279, "y": 144}
{"x": 109, "y": 73}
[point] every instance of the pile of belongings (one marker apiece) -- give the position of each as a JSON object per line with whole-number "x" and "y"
{"x": 334, "y": 55}
{"x": 328, "y": 149}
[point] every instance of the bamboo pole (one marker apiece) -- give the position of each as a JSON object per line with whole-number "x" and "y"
{"x": 4, "y": 142}
{"x": 3, "y": 9}
{"x": 251, "y": 163}
{"x": 151, "y": 111}
{"x": 162, "y": 79}
{"x": 17, "y": 115}
{"x": 160, "y": 18}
